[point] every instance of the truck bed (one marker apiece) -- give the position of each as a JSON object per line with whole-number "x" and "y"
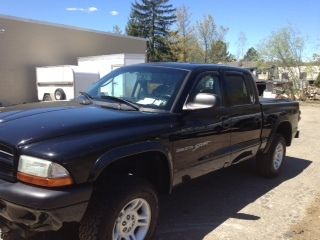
{"x": 275, "y": 109}
{"x": 273, "y": 100}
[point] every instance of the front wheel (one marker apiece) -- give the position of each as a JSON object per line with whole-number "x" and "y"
{"x": 9, "y": 236}
{"x": 125, "y": 211}
{"x": 270, "y": 163}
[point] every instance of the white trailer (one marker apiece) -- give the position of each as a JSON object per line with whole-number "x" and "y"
{"x": 63, "y": 82}
{"x": 107, "y": 63}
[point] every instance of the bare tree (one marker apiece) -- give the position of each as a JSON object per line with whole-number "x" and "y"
{"x": 221, "y": 33}
{"x": 285, "y": 49}
{"x": 206, "y": 31}
{"x": 117, "y": 30}
{"x": 241, "y": 44}
{"x": 184, "y": 35}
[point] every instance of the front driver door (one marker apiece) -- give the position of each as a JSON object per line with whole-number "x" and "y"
{"x": 201, "y": 144}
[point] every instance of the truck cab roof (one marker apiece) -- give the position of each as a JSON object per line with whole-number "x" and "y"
{"x": 191, "y": 66}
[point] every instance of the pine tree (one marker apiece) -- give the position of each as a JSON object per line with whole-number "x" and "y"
{"x": 219, "y": 52}
{"x": 251, "y": 55}
{"x": 151, "y": 19}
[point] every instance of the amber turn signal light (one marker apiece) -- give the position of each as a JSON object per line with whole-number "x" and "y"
{"x": 44, "y": 182}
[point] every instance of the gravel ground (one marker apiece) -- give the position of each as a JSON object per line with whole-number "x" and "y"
{"x": 308, "y": 228}
{"x": 236, "y": 204}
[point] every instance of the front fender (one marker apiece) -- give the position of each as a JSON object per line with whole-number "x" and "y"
{"x": 130, "y": 150}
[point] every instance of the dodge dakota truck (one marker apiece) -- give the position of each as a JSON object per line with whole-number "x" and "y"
{"x": 101, "y": 160}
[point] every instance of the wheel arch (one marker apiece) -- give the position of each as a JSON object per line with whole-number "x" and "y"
{"x": 283, "y": 128}
{"x": 148, "y": 160}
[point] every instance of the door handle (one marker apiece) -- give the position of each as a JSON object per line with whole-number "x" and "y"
{"x": 226, "y": 125}
{"x": 257, "y": 120}
{"x": 225, "y": 122}
{"x": 223, "y": 119}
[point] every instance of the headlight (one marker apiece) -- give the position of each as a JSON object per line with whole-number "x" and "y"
{"x": 42, "y": 172}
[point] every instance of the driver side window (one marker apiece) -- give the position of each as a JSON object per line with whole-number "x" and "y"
{"x": 113, "y": 87}
{"x": 122, "y": 85}
{"x": 206, "y": 83}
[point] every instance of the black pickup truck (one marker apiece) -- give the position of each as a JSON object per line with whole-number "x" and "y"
{"x": 102, "y": 160}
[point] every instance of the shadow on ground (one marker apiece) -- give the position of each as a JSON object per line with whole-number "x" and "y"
{"x": 198, "y": 207}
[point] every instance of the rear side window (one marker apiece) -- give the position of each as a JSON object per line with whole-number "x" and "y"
{"x": 237, "y": 90}
{"x": 253, "y": 88}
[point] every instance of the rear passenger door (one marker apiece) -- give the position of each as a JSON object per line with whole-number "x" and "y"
{"x": 244, "y": 113}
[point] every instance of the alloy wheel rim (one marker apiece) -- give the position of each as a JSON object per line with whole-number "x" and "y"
{"x": 133, "y": 221}
{"x": 278, "y": 156}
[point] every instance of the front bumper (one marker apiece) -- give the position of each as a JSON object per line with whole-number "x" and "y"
{"x": 32, "y": 209}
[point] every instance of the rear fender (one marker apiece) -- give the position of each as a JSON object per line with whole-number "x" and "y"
{"x": 274, "y": 132}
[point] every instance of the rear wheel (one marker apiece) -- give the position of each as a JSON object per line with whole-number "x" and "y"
{"x": 126, "y": 211}
{"x": 270, "y": 163}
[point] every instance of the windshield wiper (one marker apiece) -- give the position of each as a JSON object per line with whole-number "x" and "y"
{"x": 123, "y": 101}
{"x": 86, "y": 95}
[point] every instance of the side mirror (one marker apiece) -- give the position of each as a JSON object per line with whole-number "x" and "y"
{"x": 202, "y": 101}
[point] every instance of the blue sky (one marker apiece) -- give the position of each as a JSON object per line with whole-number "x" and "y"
{"x": 256, "y": 19}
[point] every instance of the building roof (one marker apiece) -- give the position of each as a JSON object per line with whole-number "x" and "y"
{"x": 66, "y": 27}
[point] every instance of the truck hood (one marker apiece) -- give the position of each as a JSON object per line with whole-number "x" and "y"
{"x": 29, "y": 123}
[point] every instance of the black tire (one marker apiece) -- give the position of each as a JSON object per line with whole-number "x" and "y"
{"x": 107, "y": 203}
{"x": 265, "y": 162}
{"x": 59, "y": 94}
{"x": 47, "y": 97}
{"x": 10, "y": 236}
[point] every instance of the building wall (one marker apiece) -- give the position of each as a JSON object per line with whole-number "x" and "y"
{"x": 310, "y": 72}
{"x": 264, "y": 75}
{"x": 25, "y": 45}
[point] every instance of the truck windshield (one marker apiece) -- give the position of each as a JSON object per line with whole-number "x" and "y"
{"x": 147, "y": 86}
